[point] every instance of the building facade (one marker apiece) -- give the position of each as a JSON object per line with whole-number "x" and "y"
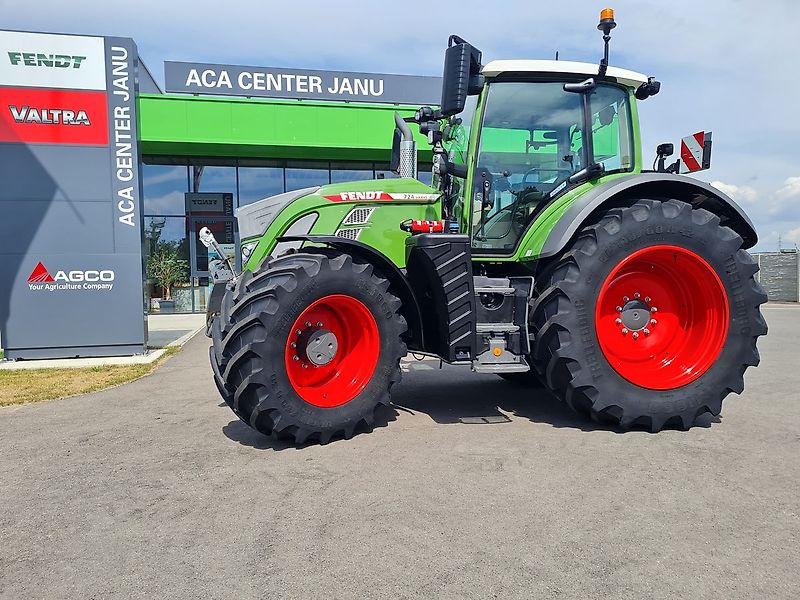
{"x": 106, "y": 180}
{"x": 197, "y": 150}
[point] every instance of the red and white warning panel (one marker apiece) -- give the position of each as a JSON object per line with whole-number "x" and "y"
{"x": 696, "y": 152}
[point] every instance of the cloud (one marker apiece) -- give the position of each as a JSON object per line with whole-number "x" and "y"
{"x": 740, "y": 193}
{"x": 793, "y": 236}
{"x": 790, "y": 188}
{"x": 775, "y": 212}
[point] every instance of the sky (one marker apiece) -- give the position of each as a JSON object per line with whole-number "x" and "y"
{"x": 726, "y": 66}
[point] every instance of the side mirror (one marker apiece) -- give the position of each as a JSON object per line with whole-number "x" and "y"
{"x": 665, "y": 150}
{"x": 650, "y": 88}
{"x": 461, "y": 77}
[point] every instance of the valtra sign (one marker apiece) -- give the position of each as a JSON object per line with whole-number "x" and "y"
{"x": 53, "y": 116}
{"x": 69, "y": 175}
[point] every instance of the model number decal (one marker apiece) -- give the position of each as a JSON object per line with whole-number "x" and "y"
{"x": 378, "y": 196}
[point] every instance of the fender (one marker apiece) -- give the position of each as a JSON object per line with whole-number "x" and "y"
{"x": 400, "y": 285}
{"x": 651, "y": 186}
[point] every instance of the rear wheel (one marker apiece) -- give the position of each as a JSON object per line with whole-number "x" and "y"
{"x": 308, "y": 346}
{"x": 651, "y": 318}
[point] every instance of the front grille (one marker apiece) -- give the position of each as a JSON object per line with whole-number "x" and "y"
{"x": 350, "y": 234}
{"x": 358, "y": 216}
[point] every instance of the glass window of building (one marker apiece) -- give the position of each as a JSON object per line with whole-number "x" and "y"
{"x": 382, "y": 171}
{"x": 166, "y": 250}
{"x": 352, "y": 171}
{"x": 256, "y": 183}
{"x": 164, "y": 187}
{"x": 301, "y": 175}
{"x": 209, "y": 178}
{"x": 423, "y": 172}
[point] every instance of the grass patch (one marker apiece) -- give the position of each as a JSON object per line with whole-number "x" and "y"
{"x": 34, "y": 385}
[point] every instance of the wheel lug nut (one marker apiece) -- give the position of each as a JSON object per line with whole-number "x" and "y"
{"x": 635, "y": 335}
{"x": 637, "y": 295}
{"x": 319, "y": 324}
{"x": 618, "y": 321}
{"x": 646, "y": 331}
{"x": 619, "y": 309}
{"x": 298, "y": 332}
{"x": 295, "y": 358}
{"x": 305, "y": 366}
{"x": 625, "y": 298}
{"x": 624, "y": 331}
{"x": 647, "y": 298}
{"x": 293, "y": 345}
{"x": 308, "y": 323}
{"x": 653, "y": 321}
{"x": 653, "y": 310}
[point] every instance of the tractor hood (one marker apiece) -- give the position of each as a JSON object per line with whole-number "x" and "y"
{"x": 254, "y": 219}
{"x": 399, "y": 189}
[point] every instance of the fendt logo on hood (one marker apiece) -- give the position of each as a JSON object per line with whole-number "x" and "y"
{"x": 49, "y": 116}
{"x": 39, "y": 59}
{"x": 40, "y": 279}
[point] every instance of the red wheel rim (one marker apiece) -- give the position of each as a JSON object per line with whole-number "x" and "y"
{"x": 357, "y": 344}
{"x": 662, "y": 317}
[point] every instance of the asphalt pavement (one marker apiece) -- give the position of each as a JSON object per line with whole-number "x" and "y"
{"x": 155, "y": 490}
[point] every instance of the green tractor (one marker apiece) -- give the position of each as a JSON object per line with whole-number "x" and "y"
{"x": 543, "y": 252}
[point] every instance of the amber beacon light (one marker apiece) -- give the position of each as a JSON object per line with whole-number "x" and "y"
{"x": 607, "y": 22}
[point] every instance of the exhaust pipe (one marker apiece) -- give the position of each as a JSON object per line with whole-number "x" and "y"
{"x": 408, "y": 149}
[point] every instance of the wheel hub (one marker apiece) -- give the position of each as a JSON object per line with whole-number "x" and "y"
{"x": 636, "y": 315}
{"x": 317, "y": 345}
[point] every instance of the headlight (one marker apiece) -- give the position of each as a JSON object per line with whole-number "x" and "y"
{"x": 247, "y": 250}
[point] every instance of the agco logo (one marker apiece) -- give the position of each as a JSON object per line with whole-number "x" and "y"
{"x": 38, "y": 59}
{"x": 91, "y": 279}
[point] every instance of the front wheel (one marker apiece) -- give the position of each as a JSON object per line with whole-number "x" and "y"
{"x": 308, "y": 346}
{"x": 651, "y": 318}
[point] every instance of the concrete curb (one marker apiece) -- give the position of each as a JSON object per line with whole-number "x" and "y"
{"x": 107, "y": 361}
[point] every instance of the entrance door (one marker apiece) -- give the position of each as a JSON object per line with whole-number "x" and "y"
{"x": 215, "y": 211}
{"x": 224, "y": 229}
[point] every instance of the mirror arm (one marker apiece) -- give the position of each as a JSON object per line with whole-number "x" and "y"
{"x": 592, "y": 169}
{"x": 445, "y": 167}
{"x": 586, "y": 174}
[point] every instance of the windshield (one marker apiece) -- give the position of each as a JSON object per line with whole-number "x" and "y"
{"x": 531, "y": 142}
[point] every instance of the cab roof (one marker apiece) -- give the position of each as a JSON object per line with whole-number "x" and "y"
{"x": 564, "y": 67}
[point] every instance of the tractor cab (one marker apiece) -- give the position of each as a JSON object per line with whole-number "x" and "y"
{"x": 535, "y": 131}
{"x": 512, "y": 136}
